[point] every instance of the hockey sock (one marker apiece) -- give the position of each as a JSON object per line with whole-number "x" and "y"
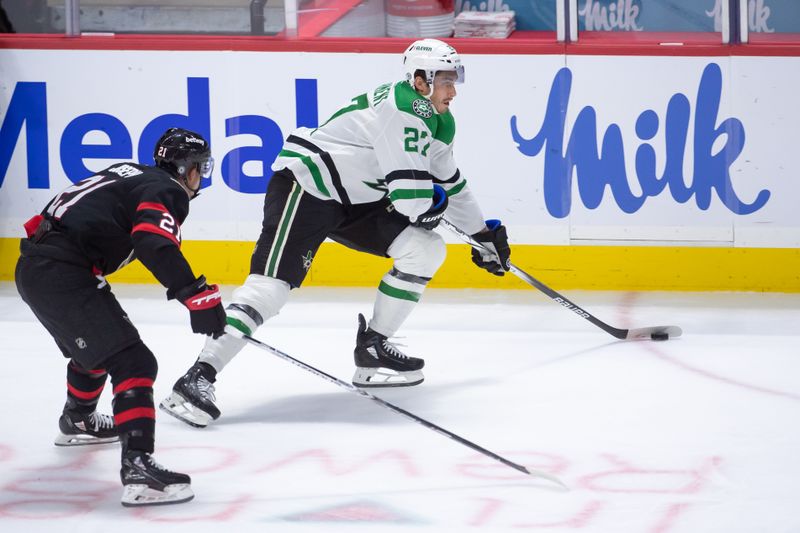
{"x": 417, "y": 255}
{"x": 258, "y": 300}
{"x": 398, "y": 294}
{"x": 83, "y": 387}
{"x": 133, "y": 372}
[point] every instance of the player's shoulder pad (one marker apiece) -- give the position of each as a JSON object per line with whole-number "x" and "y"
{"x": 407, "y": 100}
{"x": 446, "y": 127}
{"x": 158, "y": 185}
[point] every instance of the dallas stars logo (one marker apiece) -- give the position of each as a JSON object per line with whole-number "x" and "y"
{"x": 378, "y": 185}
{"x": 422, "y": 108}
{"x": 307, "y": 259}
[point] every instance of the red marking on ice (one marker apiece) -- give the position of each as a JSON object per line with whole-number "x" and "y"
{"x": 6, "y": 452}
{"x": 649, "y": 481}
{"x": 363, "y": 511}
{"x": 722, "y": 379}
{"x": 670, "y": 517}
{"x": 324, "y": 457}
{"x": 70, "y": 488}
{"x": 624, "y": 312}
{"x": 581, "y": 518}
{"x": 228, "y": 457}
{"x": 227, "y": 513}
{"x": 44, "y": 509}
{"x": 485, "y": 468}
{"x": 80, "y": 460}
{"x": 490, "y": 511}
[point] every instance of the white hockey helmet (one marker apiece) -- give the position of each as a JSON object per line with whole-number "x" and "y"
{"x": 431, "y": 56}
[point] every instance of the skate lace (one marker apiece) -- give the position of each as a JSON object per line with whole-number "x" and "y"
{"x": 101, "y": 421}
{"x": 206, "y": 389}
{"x": 156, "y": 465}
{"x": 393, "y": 350}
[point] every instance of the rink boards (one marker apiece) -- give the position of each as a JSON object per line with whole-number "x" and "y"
{"x": 610, "y": 171}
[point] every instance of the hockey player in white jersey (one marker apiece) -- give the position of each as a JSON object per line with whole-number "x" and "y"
{"x": 377, "y": 177}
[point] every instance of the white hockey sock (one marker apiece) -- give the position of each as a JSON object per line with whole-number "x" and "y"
{"x": 417, "y": 254}
{"x": 395, "y": 300}
{"x": 219, "y": 352}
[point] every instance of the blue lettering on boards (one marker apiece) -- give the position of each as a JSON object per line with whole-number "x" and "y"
{"x": 28, "y": 107}
{"x": 596, "y": 172}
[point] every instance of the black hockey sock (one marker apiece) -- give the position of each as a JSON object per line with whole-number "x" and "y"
{"x": 83, "y": 388}
{"x": 134, "y": 415}
{"x": 133, "y": 371}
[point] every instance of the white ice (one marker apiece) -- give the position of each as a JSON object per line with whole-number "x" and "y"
{"x": 698, "y": 434}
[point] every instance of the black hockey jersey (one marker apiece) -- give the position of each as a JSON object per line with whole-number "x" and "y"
{"x": 127, "y": 211}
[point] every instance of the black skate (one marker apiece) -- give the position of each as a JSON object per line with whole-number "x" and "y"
{"x": 148, "y": 483}
{"x": 380, "y": 364}
{"x": 77, "y": 429}
{"x": 192, "y": 399}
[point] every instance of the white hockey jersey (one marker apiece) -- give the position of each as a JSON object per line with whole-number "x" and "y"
{"x": 387, "y": 142}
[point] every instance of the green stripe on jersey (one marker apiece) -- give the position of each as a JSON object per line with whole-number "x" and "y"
{"x": 457, "y": 189}
{"x": 359, "y": 102}
{"x": 312, "y": 168}
{"x": 394, "y": 292}
{"x": 410, "y": 194}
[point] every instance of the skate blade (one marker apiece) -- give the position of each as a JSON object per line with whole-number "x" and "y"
{"x": 384, "y": 377}
{"x": 140, "y": 495}
{"x": 82, "y": 440}
{"x": 177, "y": 406}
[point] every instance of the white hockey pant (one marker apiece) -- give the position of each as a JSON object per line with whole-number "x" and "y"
{"x": 258, "y": 300}
{"x": 417, "y": 255}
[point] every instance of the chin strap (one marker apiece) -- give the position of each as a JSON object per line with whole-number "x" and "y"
{"x": 193, "y": 193}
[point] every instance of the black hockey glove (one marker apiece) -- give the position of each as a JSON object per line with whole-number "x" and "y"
{"x": 430, "y": 218}
{"x": 205, "y": 307}
{"x": 496, "y": 258}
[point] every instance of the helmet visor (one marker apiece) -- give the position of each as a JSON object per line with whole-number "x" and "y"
{"x": 448, "y": 78}
{"x": 460, "y": 72}
{"x": 206, "y": 167}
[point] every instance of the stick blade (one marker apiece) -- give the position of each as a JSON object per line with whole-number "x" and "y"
{"x": 549, "y": 477}
{"x": 647, "y": 333}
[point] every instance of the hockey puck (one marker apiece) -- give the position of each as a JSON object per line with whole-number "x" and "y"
{"x": 659, "y": 336}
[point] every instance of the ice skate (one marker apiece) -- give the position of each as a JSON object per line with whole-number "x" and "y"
{"x": 192, "y": 399}
{"x": 148, "y": 483}
{"x": 380, "y": 364}
{"x": 78, "y": 429}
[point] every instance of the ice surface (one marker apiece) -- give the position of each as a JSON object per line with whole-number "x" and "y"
{"x": 699, "y": 434}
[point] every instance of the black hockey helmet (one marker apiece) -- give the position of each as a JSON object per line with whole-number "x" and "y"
{"x": 178, "y": 151}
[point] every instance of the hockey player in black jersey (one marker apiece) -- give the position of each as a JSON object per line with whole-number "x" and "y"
{"x": 89, "y": 230}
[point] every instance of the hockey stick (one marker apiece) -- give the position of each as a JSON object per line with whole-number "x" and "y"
{"x": 659, "y": 333}
{"x": 399, "y": 410}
